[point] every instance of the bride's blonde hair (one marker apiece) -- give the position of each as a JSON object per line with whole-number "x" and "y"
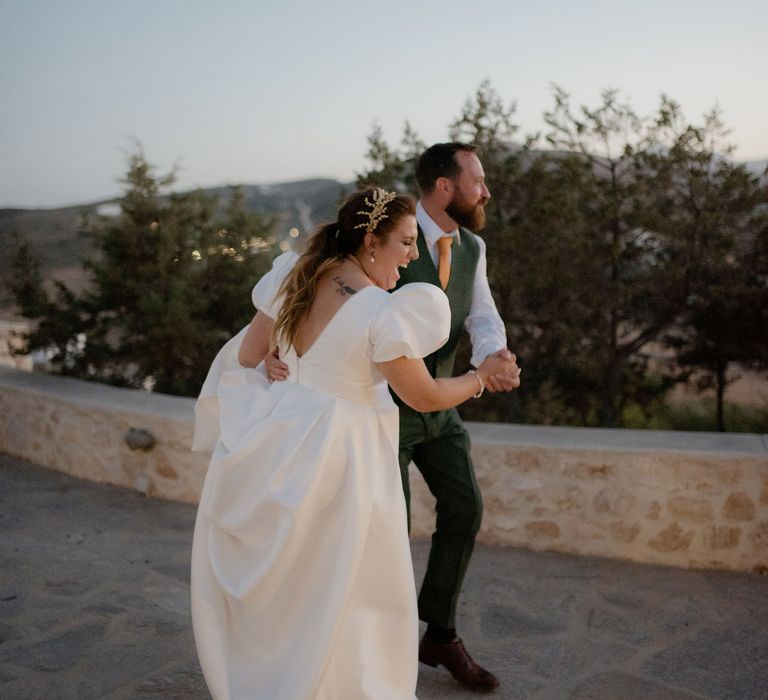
{"x": 330, "y": 244}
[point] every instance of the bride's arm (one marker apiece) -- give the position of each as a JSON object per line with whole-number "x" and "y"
{"x": 255, "y": 344}
{"x": 411, "y": 381}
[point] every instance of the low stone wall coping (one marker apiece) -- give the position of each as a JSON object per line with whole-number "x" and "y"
{"x": 618, "y": 439}
{"x": 93, "y": 394}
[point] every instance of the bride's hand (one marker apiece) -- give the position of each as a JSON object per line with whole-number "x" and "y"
{"x": 277, "y": 370}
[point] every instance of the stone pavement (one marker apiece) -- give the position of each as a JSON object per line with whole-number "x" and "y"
{"x": 94, "y": 604}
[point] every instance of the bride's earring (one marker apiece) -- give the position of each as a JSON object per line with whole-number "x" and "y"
{"x": 371, "y": 253}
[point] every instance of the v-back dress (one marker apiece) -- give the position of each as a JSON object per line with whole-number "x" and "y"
{"x": 302, "y": 583}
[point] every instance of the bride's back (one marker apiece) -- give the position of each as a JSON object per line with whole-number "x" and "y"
{"x": 334, "y": 288}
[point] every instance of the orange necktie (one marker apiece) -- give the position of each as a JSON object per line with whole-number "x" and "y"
{"x": 444, "y": 259}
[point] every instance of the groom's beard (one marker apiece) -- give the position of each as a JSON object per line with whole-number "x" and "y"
{"x": 471, "y": 216}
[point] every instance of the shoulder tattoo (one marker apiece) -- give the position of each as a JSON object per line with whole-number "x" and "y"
{"x": 344, "y": 289}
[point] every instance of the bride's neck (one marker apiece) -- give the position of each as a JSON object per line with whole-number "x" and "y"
{"x": 359, "y": 265}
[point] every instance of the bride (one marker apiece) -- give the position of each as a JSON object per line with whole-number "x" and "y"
{"x": 302, "y": 585}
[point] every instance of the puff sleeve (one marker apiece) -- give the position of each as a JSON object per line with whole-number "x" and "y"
{"x": 265, "y": 291}
{"x": 415, "y": 321}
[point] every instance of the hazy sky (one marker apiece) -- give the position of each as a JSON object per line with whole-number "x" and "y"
{"x": 259, "y": 92}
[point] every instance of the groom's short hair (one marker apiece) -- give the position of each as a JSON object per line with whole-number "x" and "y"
{"x": 439, "y": 161}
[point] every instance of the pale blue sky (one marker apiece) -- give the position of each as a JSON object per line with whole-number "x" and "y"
{"x": 265, "y": 92}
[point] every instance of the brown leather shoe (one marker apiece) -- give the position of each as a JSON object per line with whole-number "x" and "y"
{"x": 456, "y": 659}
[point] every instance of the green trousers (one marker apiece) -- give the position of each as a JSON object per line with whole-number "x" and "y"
{"x": 438, "y": 444}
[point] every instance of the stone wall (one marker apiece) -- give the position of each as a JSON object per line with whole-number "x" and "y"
{"x": 683, "y": 499}
{"x": 80, "y": 428}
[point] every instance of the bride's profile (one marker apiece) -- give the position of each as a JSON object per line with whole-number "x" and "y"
{"x": 302, "y": 584}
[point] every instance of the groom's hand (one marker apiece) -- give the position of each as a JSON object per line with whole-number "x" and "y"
{"x": 277, "y": 370}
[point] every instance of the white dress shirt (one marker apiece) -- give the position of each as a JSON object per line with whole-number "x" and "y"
{"x": 483, "y": 323}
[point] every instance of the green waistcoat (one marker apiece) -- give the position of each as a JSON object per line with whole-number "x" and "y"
{"x": 464, "y": 259}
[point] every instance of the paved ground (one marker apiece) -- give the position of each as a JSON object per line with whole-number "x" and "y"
{"x": 94, "y": 604}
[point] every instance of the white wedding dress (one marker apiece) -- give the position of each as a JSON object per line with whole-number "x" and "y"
{"x": 302, "y": 583}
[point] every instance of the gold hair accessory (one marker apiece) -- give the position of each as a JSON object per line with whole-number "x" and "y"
{"x": 380, "y": 200}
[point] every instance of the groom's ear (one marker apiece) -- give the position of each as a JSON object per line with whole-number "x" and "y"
{"x": 444, "y": 186}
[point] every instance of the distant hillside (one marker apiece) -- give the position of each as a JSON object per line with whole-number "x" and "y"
{"x": 302, "y": 204}
{"x": 758, "y": 167}
{"x": 60, "y": 246}
{"x": 55, "y": 237}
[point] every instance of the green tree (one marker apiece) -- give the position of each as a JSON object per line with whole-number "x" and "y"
{"x": 715, "y": 213}
{"x": 630, "y": 287}
{"x": 170, "y": 281}
{"x": 581, "y": 285}
{"x": 392, "y": 168}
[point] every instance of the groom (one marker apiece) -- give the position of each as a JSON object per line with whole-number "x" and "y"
{"x": 453, "y": 198}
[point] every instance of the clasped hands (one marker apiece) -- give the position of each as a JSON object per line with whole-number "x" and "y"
{"x": 507, "y": 377}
